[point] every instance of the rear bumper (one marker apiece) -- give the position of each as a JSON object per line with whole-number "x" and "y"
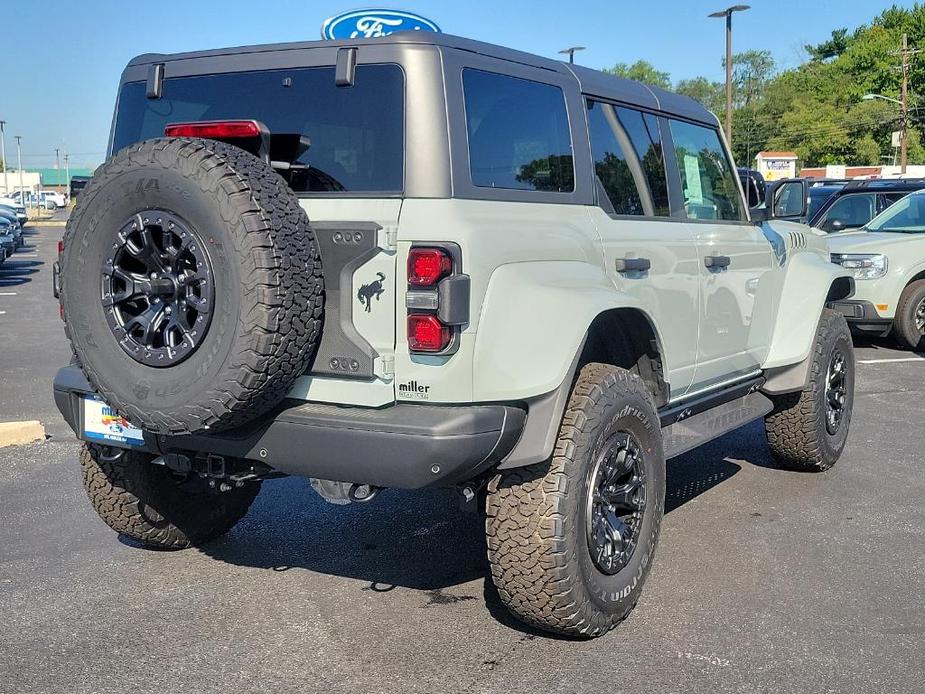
{"x": 862, "y": 315}
{"x": 405, "y": 445}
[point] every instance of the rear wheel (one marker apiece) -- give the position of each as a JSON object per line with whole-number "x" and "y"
{"x": 155, "y": 506}
{"x": 571, "y": 540}
{"x": 909, "y": 323}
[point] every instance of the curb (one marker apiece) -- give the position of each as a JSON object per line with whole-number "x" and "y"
{"x": 49, "y": 223}
{"x": 14, "y": 433}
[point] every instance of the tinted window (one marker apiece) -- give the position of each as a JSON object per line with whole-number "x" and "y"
{"x": 849, "y": 212}
{"x": 708, "y": 181}
{"x": 518, "y": 133}
{"x": 356, "y": 134}
{"x": 628, "y": 159}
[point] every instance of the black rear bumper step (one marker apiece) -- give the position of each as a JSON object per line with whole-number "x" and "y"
{"x": 404, "y": 445}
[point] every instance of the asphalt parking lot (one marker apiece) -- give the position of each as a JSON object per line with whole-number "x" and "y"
{"x": 765, "y": 580}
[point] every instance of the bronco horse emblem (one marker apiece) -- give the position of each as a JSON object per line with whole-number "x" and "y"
{"x": 368, "y": 291}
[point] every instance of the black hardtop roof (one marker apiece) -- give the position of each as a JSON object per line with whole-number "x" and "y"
{"x": 592, "y": 82}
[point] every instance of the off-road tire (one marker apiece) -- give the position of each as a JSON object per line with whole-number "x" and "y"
{"x": 907, "y": 333}
{"x": 153, "y": 506}
{"x": 536, "y": 516}
{"x": 266, "y": 269}
{"x": 796, "y": 428}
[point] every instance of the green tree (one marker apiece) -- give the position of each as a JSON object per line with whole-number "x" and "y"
{"x": 641, "y": 71}
{"x": 831, "y": 48}
{"x": 711, "y": 94}
{"x": 751, "y": 72}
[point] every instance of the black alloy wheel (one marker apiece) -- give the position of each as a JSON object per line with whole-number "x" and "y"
{"x": 836, "y": 390}
{"x": 157, "y": 288}
{"x": 616, "y": 503}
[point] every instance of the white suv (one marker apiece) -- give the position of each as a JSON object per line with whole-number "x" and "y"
{"x": 524, "y": 279}
{"x": 887, "y": 258}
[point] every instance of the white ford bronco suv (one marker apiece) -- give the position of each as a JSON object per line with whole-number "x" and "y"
{"x": 887, "y": 258}
{"x": 422, "y": 260}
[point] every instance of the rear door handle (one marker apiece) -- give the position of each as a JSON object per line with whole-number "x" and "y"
{"x": 717, "y": 261}
{"x": 633, "y": 264}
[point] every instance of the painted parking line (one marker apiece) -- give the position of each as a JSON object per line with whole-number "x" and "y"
{"x": 2, "y": 313}
{"x": 7, "y": 293}
{"x": 891, "y": 361}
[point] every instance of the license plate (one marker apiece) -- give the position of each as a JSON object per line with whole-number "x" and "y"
{"x": 101, "y": 423}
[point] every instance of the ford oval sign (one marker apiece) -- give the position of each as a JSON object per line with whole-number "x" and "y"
{"x": 367, "y": 24}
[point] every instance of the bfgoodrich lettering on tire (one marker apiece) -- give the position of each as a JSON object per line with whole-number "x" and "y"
{"x": 191, "y": 285}
{"x": 807, "y": 430}
{"x": 571, "y": 540}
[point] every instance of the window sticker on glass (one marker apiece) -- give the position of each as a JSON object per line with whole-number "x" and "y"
{"x": 694, "y": 191}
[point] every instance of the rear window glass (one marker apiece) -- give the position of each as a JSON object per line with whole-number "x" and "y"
{"x": 518, "y": 133}
{"x": 356, "y": 134}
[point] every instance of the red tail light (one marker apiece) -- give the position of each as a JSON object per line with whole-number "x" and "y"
{"x": 60, "y": 247}
{"x": 214, "y": 130}
{"x": 427, "y": 266}
{"x": 427, "y": 334}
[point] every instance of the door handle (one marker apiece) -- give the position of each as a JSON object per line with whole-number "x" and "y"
{"x": 633, "y": 264}
{"x": 717, "y": 261}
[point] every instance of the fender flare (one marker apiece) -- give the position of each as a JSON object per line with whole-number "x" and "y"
{"x": 806, "y": 289}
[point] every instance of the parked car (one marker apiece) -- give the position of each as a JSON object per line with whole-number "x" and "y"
{"x": 49, "y": 199}
{"x": 854, "y": 204}
{"x": 753, "y": 185}
{"x": 7, "y": 240}
{"x": 887, "y": 259}
{"x": 820, "y": 190}
{"x": 6, "y": 213}
{"x": 17, "y": 208}
{"x": 52, "y": 199}
{"x": 536, "y": 283}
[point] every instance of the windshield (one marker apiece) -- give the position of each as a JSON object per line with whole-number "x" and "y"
{"x": 906, "y": 216}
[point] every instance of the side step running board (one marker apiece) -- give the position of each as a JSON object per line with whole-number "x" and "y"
{"x": 687, "y": 433}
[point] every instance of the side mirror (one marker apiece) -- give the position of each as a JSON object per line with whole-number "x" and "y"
{"x": 787, "y": 199}
{"x": 836, "y": 225}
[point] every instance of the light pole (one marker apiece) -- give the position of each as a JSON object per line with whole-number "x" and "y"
{"x": 22, "y": 187}
{"x": 6, "y": 164}
{"x": 903, "y": 121}
{"x": 727, "y": 13}
{"x": 571, "y": 50}
{"x": 67, "y": 177}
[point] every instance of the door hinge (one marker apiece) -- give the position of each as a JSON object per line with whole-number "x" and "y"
{"x": 384, "y": 367}
{"x": 388, "y": 238}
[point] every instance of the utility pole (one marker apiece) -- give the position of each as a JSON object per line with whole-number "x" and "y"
{"x": 67, "y": 176}
{"x": 22, "y": 187}
{"x": 6, "y": 164}
{"x": 906, "y": 54}
{"x": 727, "y": 13}
{"x": 57, "y": 160}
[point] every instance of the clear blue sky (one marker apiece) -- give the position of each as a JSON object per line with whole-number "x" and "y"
{"x": 62, "y": 58}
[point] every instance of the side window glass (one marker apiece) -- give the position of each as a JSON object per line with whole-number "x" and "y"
{"x": 619, "y": 178}
{"x": 518, "y": 133}
{"x": 642, "y": 131}
{"x": 708, "y": 181}
{"x": 850, "y": 212}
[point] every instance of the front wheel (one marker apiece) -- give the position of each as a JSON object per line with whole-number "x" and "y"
{"x": 155, "y": 506}
{"x": 570, "y": 540}
{"x": 807, "y": 430}
{"x": 909, "y": 323}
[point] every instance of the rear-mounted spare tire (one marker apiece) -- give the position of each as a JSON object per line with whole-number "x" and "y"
{"x": 191, "y": 285}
